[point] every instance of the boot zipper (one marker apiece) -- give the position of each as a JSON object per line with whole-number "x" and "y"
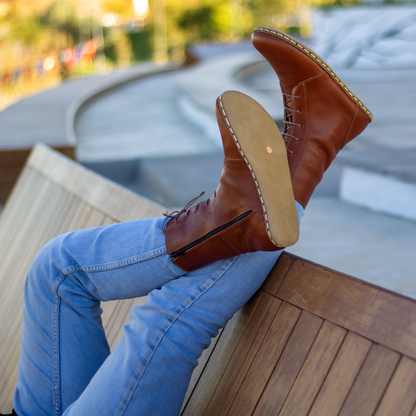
{"x": 182, "y": 251}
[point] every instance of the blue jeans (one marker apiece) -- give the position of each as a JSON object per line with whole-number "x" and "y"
{"x": 66, "y": 366}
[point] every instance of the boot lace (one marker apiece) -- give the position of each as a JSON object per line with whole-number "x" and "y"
{"x": 288, "y": 117}
{"x": 174, "y": 216}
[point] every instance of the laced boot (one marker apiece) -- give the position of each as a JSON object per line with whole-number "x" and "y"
{"x": 253, "y": 208}
{"x": 321, "y": 114}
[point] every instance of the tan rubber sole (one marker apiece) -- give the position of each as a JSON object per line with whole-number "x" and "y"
{"x": 261, "y": 145}
{"x": 312, "y": 55}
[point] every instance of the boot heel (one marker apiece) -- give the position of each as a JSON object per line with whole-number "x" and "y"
{"x": 262, "y": 147}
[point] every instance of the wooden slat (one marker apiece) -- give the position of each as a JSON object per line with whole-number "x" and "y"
{"x": 95, "y": 219}
{"x": 62, "y": 215}
{"x": 130, "y": 305}
{"x": 224, "y": 350}
{"x": 108, "y": 221}
{"x": 314, "y": 371}
{"x": 7, "y": 391}
{"x": 80, "y": 218}
{"x": 109, "y": 309}
{"x": 289, "y": 365}
{"x": 248, "y": 346}
{"x": 374, "y": 313}
{"x": 74, "y": 211}
{"x": 23, "y": 257}
{"x": 277, "y": 275}
{"x": 13, "y": 317}
{"x": 400, "y": 396}
{"x": 85, "y": 215}
{"x": 341, "y": 376}
{"x": 19, "y": 240}
{"x": 11, "y": 221}
{"x": 9, "y": 376}
{"x": 11, "y": 305}
{"x": 31, "y": 247}
{"x": 202, "y": 362}
{"x": 122, "y": 310}
{"x": 371, "y": 382}
{"x": 265, "y": 361}
{"x": 116, "y": 202}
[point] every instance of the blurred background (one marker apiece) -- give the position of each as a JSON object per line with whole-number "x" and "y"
{"x": 43, "y": 42}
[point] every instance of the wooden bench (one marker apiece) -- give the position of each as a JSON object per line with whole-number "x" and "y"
{"x": 312, "y": 341}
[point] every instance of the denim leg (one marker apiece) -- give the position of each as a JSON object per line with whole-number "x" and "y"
{"x": 63, "y": 342}
{"x": 153, "y": 362}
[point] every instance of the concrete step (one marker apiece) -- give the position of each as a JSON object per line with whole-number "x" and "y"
{"x": 374, "y": 247}
{"x": 170, "y": 181}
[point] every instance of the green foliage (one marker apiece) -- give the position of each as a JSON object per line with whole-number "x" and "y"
{"x": 141, "y": 43}
{"x": 27, "y": 30}
{"x": 199, "y": 23}
{"x": 61, "y": 17}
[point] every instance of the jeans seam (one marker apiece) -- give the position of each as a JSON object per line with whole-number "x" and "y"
{"x": 56, "y": 304}
{"x": 202, "y": 290}
{"x": 55, "y": 349}
{"x": 115, "y": 264}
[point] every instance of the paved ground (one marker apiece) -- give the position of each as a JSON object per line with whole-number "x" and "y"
{"x": 139, "y": 119}
{"x": 48, "y": 116}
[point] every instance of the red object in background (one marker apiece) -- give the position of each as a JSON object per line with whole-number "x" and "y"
{"x": 89, "y": 49}
{"x": 6, "y": 78}
{"x": 69, "y": 57}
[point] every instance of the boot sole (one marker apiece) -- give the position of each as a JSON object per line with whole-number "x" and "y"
{"x": 262, "y": 147}
{"x": 312, "y": 55}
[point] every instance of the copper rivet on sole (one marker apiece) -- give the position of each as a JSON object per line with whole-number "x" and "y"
{"x": 269, "y": 149}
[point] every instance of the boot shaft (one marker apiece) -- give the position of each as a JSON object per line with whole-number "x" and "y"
{"x": 321, "y": 114}
{"x": 324, "y": 121}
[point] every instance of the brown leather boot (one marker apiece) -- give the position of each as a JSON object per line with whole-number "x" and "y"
{"x": 253, "y": 208}
{"x": 321, "y": 114}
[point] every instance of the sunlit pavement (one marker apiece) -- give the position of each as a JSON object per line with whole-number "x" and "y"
{"x": 138, "y": 120}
